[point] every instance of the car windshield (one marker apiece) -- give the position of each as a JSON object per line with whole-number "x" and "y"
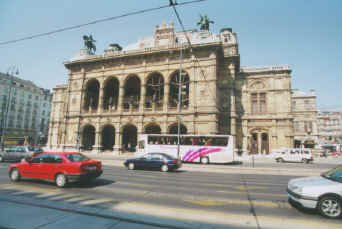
{"x": 75, "y": 157}
{"x": 334, "y": 174}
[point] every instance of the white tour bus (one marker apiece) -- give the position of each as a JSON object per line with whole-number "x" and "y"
{"x": 193, "y": 148}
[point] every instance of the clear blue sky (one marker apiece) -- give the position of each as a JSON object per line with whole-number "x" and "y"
{"x": 305, "y": 34}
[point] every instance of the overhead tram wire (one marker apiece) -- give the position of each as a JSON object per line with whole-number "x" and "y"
{"x": 221, "y": 108}
{"x": 97, "y": 21}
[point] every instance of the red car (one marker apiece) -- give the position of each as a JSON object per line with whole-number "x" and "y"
{"x": 59, "y": 167}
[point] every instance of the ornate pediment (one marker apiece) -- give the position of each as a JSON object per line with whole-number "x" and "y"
{"x": 258, "y": 85}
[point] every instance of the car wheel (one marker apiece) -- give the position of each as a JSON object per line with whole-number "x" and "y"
{"x": 15, "y": 175}
{"x": 131, "y": 166}
{"x": 330, "y": 206}
{"x": 204, "y": 160}
{"x": 61, "y": 180}
{"x": 164, "y": 168}
{"x": 281, "y": 160}
{"x": 304, "y": 160}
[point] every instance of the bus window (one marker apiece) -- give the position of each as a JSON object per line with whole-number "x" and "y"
{"x": 208, "y": 141}
{"x": 219, "y": 141}
{"x": 187, "y": 141}
{"x": 195, "y": 141}
{"x": 141, "y": 144}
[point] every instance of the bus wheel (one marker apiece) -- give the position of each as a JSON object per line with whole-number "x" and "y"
{"x": 204, "y": 160}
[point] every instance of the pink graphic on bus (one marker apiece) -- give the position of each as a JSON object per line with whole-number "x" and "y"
{"x": 191, "y": 155}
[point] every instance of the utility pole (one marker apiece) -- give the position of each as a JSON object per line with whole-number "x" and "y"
{"x": 179, "y": 101}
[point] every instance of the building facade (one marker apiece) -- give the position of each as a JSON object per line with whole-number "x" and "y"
{"x": 329, "y": 128}
{"x": 112, "y": 98}
{"x": 25, "y": 110}
{"x": 305, "y": 126}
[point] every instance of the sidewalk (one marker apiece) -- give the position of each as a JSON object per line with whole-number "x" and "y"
{"x": 22, "y": 212}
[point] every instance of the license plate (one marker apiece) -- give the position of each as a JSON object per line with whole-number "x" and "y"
{"x": 91, "y": 168}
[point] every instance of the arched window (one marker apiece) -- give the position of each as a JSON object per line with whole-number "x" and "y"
{"x": 174, "y": 89}
{"x": 111, "y": 94}
{"x": 132, "y": 93}
{"x": 173, "y": 129}
{"x": 154, "y": 91}
{"x": 91, "y": 95}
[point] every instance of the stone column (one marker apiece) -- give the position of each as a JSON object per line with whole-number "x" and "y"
{"x": 117, "y": 139}
{"x": 142, "y": 97}
{"x": 100, "y": 107}
{"x": 259, "y": 142}
{"x": 121, "y": 98}
{"x": 97, "y": 146}
{"x": 166, "y": 97}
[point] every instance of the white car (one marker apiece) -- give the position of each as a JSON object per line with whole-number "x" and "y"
{"x": 323, "y": 193}
{"x": 294, "y": 155}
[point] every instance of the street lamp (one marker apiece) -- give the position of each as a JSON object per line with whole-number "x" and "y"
{"x": 4, "y": 121}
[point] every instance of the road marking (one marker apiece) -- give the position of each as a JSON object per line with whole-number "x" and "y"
{"x": 274, "y": 204}
{"x": 77, "y": 199}
{"x": 244, "y": 187}
{"x": 254, "y": 193}
{"x": 97, "y": 201}
{"x": 64, "y": 196}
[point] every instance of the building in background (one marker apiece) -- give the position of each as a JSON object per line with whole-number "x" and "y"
{"x": 112, "y": 98}
{"x": 304, "y": 112}
{"x": 329, "y": 127}
{"x": 24, "y": 111}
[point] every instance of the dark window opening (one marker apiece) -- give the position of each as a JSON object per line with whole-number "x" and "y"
{"x": 175, "y": 84}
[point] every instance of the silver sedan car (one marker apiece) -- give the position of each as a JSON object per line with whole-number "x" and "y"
{"x": 16, "y": 153}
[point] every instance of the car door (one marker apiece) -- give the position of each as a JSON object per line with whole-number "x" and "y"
{"x": 291, "y": 155}
{"x": 156, "y": 161}
{"x": 141, "y": 162}
{"x": 10, "y": 154}
{"x": 20, "y": 153}
{"x": 33, "y": 168}
{"x": 48, "y": 166}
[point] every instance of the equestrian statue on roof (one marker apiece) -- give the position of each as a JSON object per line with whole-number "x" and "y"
{"x": 204, "y": 23}
{"x": 89, "y": 44}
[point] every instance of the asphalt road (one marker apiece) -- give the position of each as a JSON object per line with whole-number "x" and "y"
{"x": 243, "y": 199}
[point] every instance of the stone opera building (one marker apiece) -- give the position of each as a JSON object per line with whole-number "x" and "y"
{"x": 112, "y": 98}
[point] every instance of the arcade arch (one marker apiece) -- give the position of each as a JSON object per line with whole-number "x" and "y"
{"x": 129, "y": 138}
{"x": 152, "y": 129}
{"x": 108, "y": 138}
{"x": 173, "y": 129}
{"x": 88, "y": 137}
{"x": 259, "y": 142}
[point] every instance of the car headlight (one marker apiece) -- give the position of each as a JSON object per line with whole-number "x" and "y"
{"x": 298, "y": 190}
